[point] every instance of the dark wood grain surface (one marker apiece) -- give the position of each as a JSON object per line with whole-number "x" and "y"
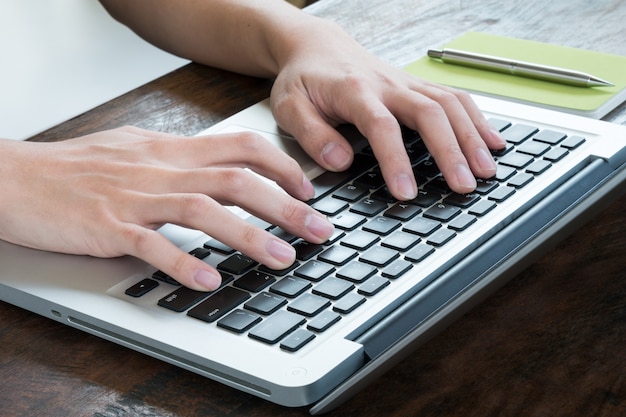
{"x": 549, "y": 343}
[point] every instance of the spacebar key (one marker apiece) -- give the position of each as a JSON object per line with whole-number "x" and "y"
{"x": 277, "y": 326}
{"x": 218, "y": 304}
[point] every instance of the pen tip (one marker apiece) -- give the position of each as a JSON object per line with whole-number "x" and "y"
{"x": 435, "y": 53}
{"x": 598, "y": 82}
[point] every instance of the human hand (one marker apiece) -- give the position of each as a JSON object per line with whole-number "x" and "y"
{"x": 105, "y": 195}
{"x": 330, "y": 79}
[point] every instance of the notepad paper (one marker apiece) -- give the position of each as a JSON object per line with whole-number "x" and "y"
{"x": 593, "y": 102}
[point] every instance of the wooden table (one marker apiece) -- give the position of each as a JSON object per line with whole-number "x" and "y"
{"x": 551, "y": 342}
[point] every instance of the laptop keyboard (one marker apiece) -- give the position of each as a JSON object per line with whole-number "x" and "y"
{"x": 377, "y": 240}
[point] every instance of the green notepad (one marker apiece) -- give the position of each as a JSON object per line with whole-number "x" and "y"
{"x": 591, "y": 102}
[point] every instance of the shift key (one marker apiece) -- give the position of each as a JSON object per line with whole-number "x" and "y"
{"x": 219, "y": 304}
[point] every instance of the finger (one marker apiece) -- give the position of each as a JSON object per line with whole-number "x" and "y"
{"x": 203, "y": 213}
{"x": 490, "y": 135}
{"x": 155, "y": 249}
{"x": 433, "y": 121}
{"x": 237, "y": 187}
{"x": 333, "y": 152}
{"x": 297, "y": 115}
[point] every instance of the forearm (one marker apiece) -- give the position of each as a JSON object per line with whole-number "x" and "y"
{"x": 249, "y": 37}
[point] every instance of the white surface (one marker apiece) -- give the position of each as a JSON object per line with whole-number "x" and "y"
{"x": 60, "y": 58}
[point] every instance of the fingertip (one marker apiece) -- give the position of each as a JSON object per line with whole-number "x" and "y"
{"x": 206, "y": 280}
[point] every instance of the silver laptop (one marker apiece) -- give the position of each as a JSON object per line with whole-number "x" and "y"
{"x": 392, "y": 276}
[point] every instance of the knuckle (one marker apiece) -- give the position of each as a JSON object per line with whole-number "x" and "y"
{"x": 236, "y": 180}
{"x": 194, "y": 205}
{"x": 250, "y": 234}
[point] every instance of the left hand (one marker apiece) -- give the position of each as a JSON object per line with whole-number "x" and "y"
{"x": 317, "y": 90}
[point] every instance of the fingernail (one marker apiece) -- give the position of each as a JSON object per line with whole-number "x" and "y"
{"x": 465, "y": 177}
{"x": 319, "y": 226}
{"x": 485, "y": 160}
{"x": 336, "y": 156}
{"x": 406, "y": 187}
{"x": 206, "y": 279}
{"x": 282, "y": 251}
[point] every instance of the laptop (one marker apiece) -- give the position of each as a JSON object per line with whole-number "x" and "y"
{"x": 393, "y": 275}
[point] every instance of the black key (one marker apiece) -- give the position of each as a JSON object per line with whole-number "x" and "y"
{"x": 337, "y": 255}
{"x": 462, "y": 222}
{"x": 534, "y": 148}
{"x": 265, "y": 303}
{"x": 400, "y": 241}
{"x": 441, "y": 237}
{"x": 518, "y": 133}
{"x": 330, "y": 206}
{"x": 501, "y": 194}
{"x": 182, "y": 299}
{"x": 520, "y": 180}
{"x": 516, "y": 160}
{"x": 442, "y": 212}
{"x": 503, "y": 151}
{"x": 296, "y": 340}
{"x": 504, "y": 173}
{"x": 461, "y": 200}
{"x": 378, "y": 256}
{"x": 218, "y": 304}
{"x": 538, "y": 167}
{"x": 200, "y": 253}
{"x": 573, "y": 142}
{"x": 419, "y": 253}
{"x": 329, "y": 181}
{"x": 421, "y": 226}
{"x": 438, "y": 185}
{"x": 142, "y": 287}
{"x": 308, "y": 305}
{"x": 427, "y": 168}
{"x": 281, "y": 233}
{"x": 402, "y": 211}
{"x": 481, "y": 208}
{"x": 254, "y": 281}
{"x": 360, "y": 239}
{"x": 290, "y": 287}
{"x": 372, "y": 180}
{"x": 383, "y": 194}
{"x": 549, "y": 136}
{"x": 333, "y": 288}
{"x": 356, "y": 271}
{"x": 348, "y": 220}
{"x": 373, "y": 286}
{"x": 396, "y": 269}
{"x": 382, "y": 225}
{"x": 368, "y": 207}
{"x": 306, "y": 250}
{"x": 237, "y": 264}
{"x": 218, "y": 246}
{"x": 162, "y": 276}
{"x": 314, "y": 270}
{"x": 485, "y": 186}
{"x": 239, "y": 321}
{"x": 425, "y": 198}
{"x": 348, "y": 303}
{"x": 278, "y": 272}
{"x": 555, "y": 154}
{"x": 323, "y": 321}
{"x": 499, "y": 124}
{"x": 350, "y": 192}
{"x": 275, "y": 327}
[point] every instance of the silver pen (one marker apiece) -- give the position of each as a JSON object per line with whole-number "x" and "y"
{"x": 518, "y": 68}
